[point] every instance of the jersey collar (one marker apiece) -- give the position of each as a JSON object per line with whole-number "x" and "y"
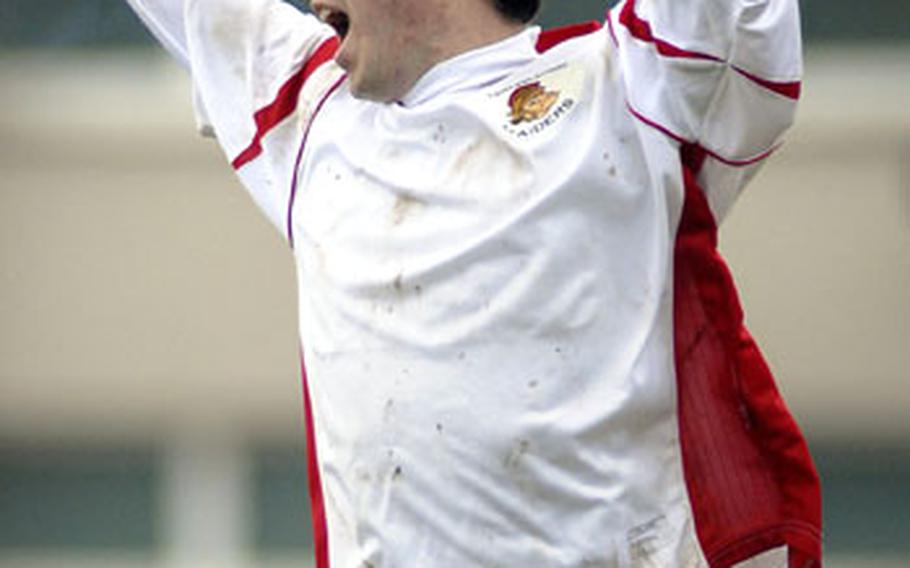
{"x": 476, "y": 68}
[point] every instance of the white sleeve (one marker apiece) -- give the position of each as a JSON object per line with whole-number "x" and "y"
{"x": 164, "y": 18}
{"x": 720, "y": 74}
{"x": 260, "y": 69}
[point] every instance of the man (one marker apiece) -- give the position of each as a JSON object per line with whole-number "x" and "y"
{"x": 522, "y": 347}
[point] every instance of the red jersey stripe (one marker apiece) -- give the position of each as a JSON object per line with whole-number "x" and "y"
{"x": 641, "y": 29}
{"x": 749, "y": 474}
{"x": 317, "y": 501}
{"x": 285, "y": 102}
{"x": 551, "y": 38}
{"x": 791, "y": 89}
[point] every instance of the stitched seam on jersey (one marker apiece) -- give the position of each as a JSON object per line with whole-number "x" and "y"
{"x": 296, "y": 173}
{"x": 285, "y": 102}
{"x": 682, "y": 140}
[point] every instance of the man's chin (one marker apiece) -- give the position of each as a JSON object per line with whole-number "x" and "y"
{"x": 360, "y": 92}
{"x": 372, "y": 91}
{"x": 357, "y": 85}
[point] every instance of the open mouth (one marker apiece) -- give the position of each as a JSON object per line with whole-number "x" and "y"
{"x": 336, "y": 18}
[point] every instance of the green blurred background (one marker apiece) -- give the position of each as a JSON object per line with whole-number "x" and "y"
{"x": 149, "y": 409}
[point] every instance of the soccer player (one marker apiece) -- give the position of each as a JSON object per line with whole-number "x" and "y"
{"x": 521, "y": 346}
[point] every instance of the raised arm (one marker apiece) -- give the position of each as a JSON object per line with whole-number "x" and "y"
{"x": 165, "y": 19}
{"x": 720, "y": 74}
{"x": 258, "y": 68}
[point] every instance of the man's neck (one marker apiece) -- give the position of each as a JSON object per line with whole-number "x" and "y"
{"x": 469, "y": 29}
{"x": 456, "y": 29}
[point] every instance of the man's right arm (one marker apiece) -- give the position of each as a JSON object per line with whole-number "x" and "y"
{"x": 259, "y": 68}
{"x": 165, "y": 19}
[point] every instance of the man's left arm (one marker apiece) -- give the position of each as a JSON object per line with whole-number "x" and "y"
{"x": 720, "y": 75}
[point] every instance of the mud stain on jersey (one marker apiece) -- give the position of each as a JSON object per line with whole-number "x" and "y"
{"x": 470, "y": 154}
{"x": 363, "y": 476}
{"x": 439, "y": 135}
{"x": 491, "y": 152}
{"x": 405, "y": 207}
{"x": 402, "y": 290}
{"x": 612, "y": 171}
{"x": 490, "y": 171}
{"x": 513, "y": 460}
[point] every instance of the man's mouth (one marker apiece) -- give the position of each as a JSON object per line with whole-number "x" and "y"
{"x": 336, "y": 18}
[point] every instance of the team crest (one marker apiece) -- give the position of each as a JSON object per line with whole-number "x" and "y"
{"x": 531, "y": 102}
{"x": 540, "y": 103}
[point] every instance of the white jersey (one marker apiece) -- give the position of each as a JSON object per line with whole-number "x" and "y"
{"x": 521, "y": 346}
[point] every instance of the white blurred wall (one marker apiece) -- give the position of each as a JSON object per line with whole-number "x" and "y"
{"x": 141, "y": 295}
{"x": 821, "y": 248}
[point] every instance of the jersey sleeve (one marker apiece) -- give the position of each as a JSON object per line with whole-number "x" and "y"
{"x": 259, "y": 69}
{"x": 164, "y": 19}
{"x": 720, "y": 74}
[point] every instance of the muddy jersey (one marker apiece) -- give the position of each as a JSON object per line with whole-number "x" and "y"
{"x": 521, "y": 346}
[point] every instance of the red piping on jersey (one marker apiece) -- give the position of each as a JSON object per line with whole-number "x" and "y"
{"x": 655, "y": 125}
{"x": 750, "y": 478}
{"x": 791, "y": 90}
{"x": 641, "y": 30}
{"x": 317, "y": 501}
{"x": 612, "y": 30}
{"x": 681, "y": 140}
{"x": 549, "y": 39}
{"x": 296, "y": 173}
{"x": 285, "y": 102}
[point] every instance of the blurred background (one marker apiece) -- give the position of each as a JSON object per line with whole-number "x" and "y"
{"x": 150, "y": 406}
